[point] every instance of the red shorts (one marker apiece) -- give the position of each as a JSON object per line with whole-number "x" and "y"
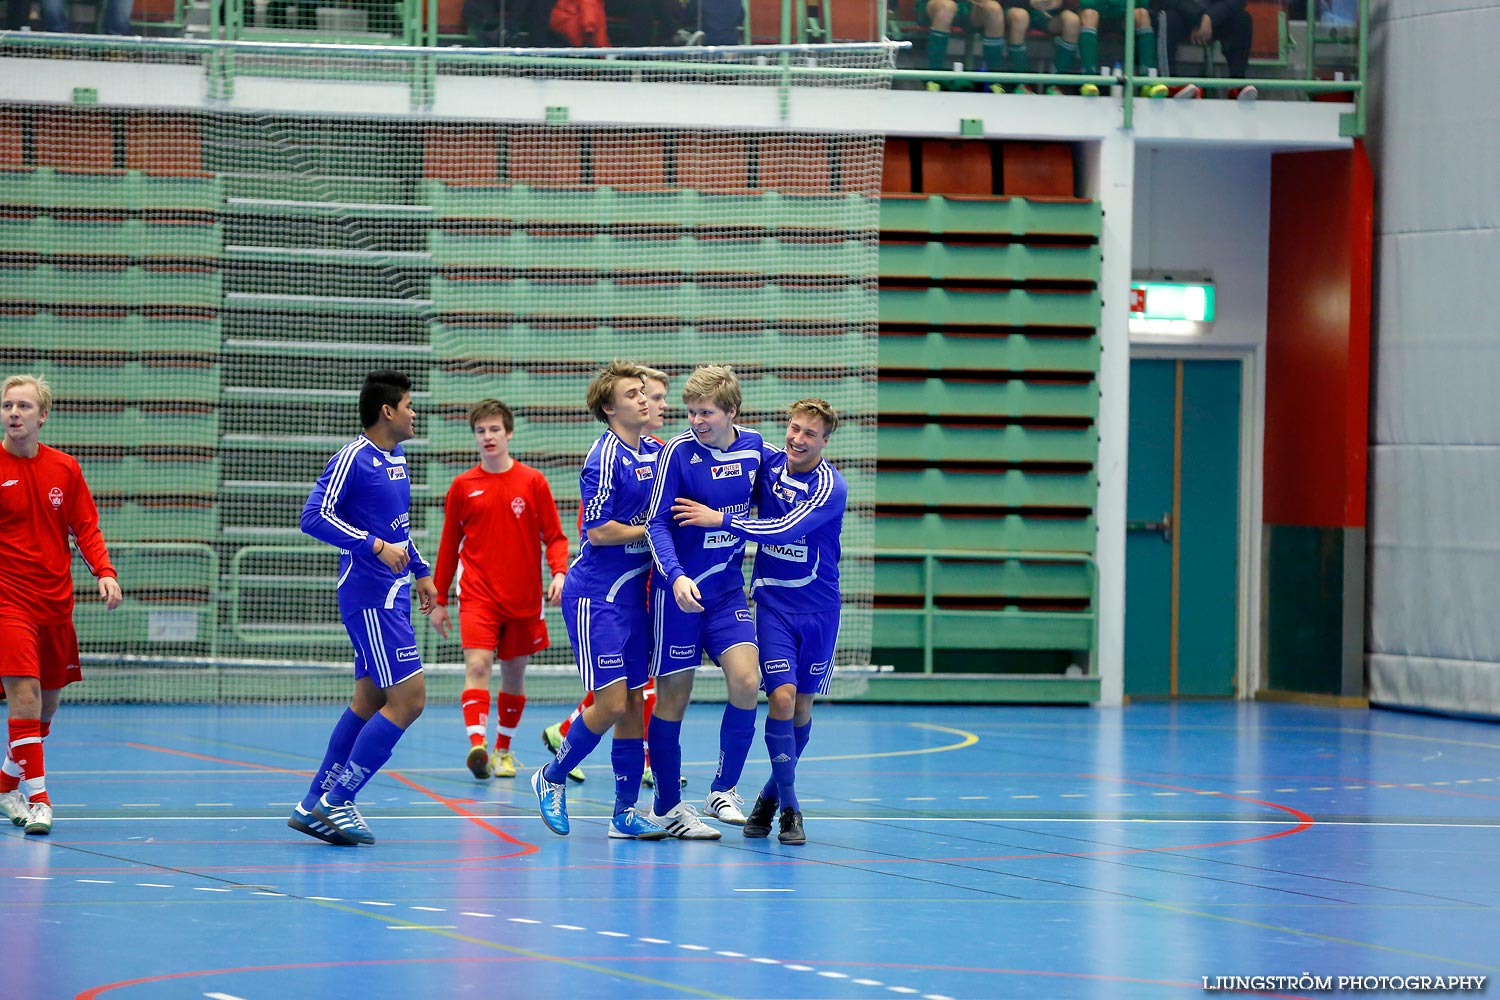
{"x": 46, "y": 652}
{"x": 480, "y": 628}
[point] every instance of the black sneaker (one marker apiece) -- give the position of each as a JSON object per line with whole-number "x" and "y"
{"x": 758, "y": 822}
{"x": 791, "y": 827}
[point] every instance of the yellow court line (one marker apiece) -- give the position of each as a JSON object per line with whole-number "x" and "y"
{"x": 523, "y": 952}
{"x": 969, "y": 739}
{"x": 1326, "y": 937}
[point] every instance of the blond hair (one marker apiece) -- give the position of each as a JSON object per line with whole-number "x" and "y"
{"x": 37, "y": 382}
{"x": 657, "y": 376}
{"x": 820, "y": 408}
{"x": 602, "y": 390}
{"x": 716, "y": 383}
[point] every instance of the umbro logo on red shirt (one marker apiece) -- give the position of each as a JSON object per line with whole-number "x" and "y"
{"x": 10, "y": 482}
{"x": 476, "y": 493}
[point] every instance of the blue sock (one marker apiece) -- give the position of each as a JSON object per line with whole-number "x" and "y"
{"x": 629, "y": 759}
{"x": 577, "y": 745}
{"x": 372, "y": 748}
{"x": 736, "y": 733}
{"x": 782, "y": 746}
{"x": 799, "y": 733}
{"x": 665, "y": 740}
{"x": 340, "y": 742}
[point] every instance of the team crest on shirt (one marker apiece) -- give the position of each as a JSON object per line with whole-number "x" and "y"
{"x": 55, "y": 494}
{"x": 394, "y": 472}
{"x": 642, "y": 472}
{"x": 784, "y": 492}
{"x": 725, "y": 471}
{"x": 517, "y": 506}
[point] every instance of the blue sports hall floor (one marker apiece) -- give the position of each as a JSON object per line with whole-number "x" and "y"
{"x": 954, "y": 852}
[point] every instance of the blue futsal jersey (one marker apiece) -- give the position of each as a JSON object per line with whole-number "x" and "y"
{"x": 723, "y": 480}
{"x": 615, "y": 485}
{"x": 797, "y": 535}
{"x": 362, "y": 495}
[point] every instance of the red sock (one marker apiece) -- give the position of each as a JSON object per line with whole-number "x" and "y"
{"x": 508, "y": 708}
{"x": 588, "y": 700}
{"x": 26, "y": 751}
{"x": 650, "y": 707}
{"x": 476, "y": 706}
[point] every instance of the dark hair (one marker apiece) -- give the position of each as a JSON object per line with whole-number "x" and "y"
{"x": 382, "y": 388}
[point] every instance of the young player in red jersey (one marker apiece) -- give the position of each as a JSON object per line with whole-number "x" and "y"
{"x": 657, "y": 384}
{"x": 43, "y": 499}
{"x": 495, "y": 519}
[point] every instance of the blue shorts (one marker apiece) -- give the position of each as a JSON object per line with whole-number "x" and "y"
{"x": 682, "y": 637}
{"x": 385, "y": 647}
{"x": 611, "y": 642}
{"x": 796, "y": 648}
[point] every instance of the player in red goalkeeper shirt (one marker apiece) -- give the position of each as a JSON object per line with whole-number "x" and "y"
{"x": 657, "y": 384}
{"x": 495, "y": 519}
{"x": 43, "y": 500}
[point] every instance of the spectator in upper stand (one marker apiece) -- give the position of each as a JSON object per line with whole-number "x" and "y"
{"x": 984, "y": 16}
{"x": 525, "y": 23}
{"x": 115, "y": 21}
{"x": 722, "y": 22}
{"x": 1055, "y": 18}
{"x": 1204, "y": 22}
{"x": 1111, "y": 14}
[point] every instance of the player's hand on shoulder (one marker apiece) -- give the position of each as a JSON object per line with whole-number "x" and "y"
{"x": 109, "y": 590}
{"x": 687, "y": 595}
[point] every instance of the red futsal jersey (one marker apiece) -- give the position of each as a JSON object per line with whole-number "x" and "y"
{"x": 42, "y": 501}
{"x": 494, "y": 524}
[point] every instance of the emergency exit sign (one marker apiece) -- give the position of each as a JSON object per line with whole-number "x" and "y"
{"x": 1191, "y": 302}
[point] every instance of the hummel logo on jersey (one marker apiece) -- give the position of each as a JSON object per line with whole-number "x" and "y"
{"x": 477, "y": 493}
{"x": 10, "y": 482}
{"x": 725, "y": 471}
{"x": 696, "y": 461}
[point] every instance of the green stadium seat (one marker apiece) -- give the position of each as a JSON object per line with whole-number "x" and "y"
{"x": 983, "y": 630}
{"x": 979, "y": 488}
{"x": 153, "y": 625}
{"x": 173, "y": 521}
{"x": 1016, "y": 262}
{"x": 136, "y": 476}
{"x": 1014, "y": 352}
{"x": 160, "y": 568}
{"x": 45, "y": 331}
{"x": 132, "y": 381}
{"x": 990, "y": 215}
{"x": 1011, "y": 398}
{"x": 935, "y": 442}
{"x": 112, "y": 285}
{"x": 165, "y": 425}
{"x": 1016, "y": 307}
{"x": 905, "y": 529}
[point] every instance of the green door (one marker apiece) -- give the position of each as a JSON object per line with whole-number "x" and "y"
{"x": 1182, "y": 511}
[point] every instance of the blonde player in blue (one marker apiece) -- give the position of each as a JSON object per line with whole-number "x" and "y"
{"x": 698, "y": 598}
{"x": 795, "y": 583}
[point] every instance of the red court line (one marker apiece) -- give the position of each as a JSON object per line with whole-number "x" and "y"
{"x": 453, "y": 804}
{"x": 98, "y": 991}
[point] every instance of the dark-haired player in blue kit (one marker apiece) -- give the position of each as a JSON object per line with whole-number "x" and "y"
{"x": 698, "y": 598}
{"x": 801, "y": 501}
{"x": 361, "y": 505}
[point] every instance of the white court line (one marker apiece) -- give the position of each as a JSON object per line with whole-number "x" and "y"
{"x": 222, "y": 996}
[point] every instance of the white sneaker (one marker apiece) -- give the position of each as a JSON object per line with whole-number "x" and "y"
{"x": 682, "y": 822}
{"x": 15, "y": 807}
{"x": 726, "y": 807}
{"x": 1247, "y": 93}
{"x": 1187, "y": 93}
{"x": 40, "y": 822}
